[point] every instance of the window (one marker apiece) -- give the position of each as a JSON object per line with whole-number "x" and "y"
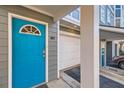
{"x": 118, "y": 6}
{"x": 30, "y": 29}
{"x": 118, "y": 12}
{"x": 108, "y": 16}
{"x": 75, "y": 14}
{"x": 103, "y": 14}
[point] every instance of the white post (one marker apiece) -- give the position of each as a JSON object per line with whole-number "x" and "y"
{"x": 89, "y": 46}
{"x": 113, "y": 49}
{"x": 118, "y": 47}
{"x": 105, "y": 54}
{"x": 58, "y": 34}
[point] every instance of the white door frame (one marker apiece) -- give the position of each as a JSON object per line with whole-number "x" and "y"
{"x": 10, "y": 16}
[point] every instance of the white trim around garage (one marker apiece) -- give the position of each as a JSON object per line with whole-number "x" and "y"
{"x": 58, "y": 31}
{"x": 69, "y": 34}
{"x": 10, "y": 15}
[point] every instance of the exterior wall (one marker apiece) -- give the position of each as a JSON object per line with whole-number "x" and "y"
{"x": 52, "y": 43}
{"x": 3, "y": 48}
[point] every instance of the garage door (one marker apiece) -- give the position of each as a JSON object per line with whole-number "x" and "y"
{"x": 69, "y": 50}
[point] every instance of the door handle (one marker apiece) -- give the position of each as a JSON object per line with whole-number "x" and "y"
{"x": 44, "y": 53}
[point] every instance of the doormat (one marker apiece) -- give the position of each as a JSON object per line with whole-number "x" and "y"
{"x": 43, "y": 86}
{"x": 74, "y": 73}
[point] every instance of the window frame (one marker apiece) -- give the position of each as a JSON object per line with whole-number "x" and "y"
{"x": 20, "y": 31}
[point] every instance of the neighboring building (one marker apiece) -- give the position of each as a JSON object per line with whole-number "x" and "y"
{"x": 108, "y": 16}
{"x": 119, "y": 15}
{"x": 112, "y": 15}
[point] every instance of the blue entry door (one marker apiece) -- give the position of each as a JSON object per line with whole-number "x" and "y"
{"x": 28, "y": 53}
{"x": 103, "y": 56}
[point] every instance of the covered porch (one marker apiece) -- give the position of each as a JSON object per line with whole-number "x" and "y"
{"x": 89, "y": 39}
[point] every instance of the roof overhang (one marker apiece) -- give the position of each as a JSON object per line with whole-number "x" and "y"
{"x": 112, "y": 29}
{"x": 111, "y": 33}
{"x": 55, "y": 11}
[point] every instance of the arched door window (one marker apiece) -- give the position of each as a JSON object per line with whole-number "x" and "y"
{"x": 30, "y": 29}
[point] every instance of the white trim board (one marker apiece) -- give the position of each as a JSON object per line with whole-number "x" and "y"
{"x": 58, "y": 33}
{"x": 10, "y": 15}
{"x": 69, "y": 34}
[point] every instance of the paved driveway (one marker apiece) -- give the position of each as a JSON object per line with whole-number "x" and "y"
{"x": 104, "y": 82}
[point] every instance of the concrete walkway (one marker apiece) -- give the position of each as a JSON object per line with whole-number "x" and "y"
{"x": 60, "y": 83}
{"x": 71, "y": 79}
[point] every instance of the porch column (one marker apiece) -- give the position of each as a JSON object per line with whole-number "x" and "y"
{"x": 89, "y": 46}
{"x": 118, "y": 48}
{"x": 113, "y": 48}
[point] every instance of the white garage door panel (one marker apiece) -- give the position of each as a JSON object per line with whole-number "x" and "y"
{"x": 69, "y": 51}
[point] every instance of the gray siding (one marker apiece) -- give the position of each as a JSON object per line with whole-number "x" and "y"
{"x": 52, "y": 43}
{"x": 3, "y": 48}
